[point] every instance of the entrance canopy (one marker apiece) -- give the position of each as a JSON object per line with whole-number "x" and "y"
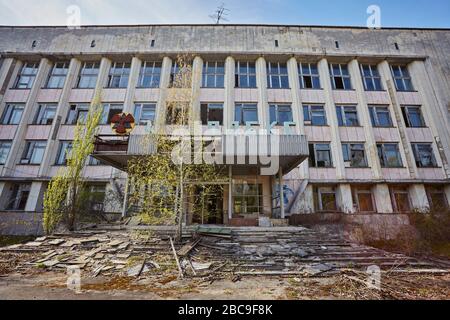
{"x": 246, "y": 154}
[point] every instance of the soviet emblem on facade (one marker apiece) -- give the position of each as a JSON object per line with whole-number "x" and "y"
{"x": 122, "y": 123}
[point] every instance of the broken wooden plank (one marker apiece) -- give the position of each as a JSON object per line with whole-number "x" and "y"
{"x": 187, "y": 248}
{"x": 176, "y": 258}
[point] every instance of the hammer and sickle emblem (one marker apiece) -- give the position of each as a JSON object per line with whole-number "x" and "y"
{"x": 122, "y": 123}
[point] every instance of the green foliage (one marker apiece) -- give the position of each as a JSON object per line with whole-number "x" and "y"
{"x": 63, "y": 196}
{"x": 55, "y": 199}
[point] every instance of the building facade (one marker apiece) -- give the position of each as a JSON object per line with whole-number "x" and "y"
{"x": 373, "y": 104}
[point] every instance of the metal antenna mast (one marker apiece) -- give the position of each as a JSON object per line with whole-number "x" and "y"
{"x": 220, "y": 14}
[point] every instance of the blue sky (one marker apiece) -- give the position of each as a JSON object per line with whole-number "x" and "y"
{"x": 397, "y": 13}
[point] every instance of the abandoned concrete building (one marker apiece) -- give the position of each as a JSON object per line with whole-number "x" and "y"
{"x": 367, "y": 110}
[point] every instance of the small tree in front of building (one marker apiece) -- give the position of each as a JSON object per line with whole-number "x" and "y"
{"x": 63, "y": 197}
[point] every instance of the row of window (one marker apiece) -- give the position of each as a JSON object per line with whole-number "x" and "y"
{"x": 325, "y": 199}
{"x": 214, "y": 75}
{"x": 320, "y": 155}
{"x": 280, "y": 114}
{"x": 34, "y": 153}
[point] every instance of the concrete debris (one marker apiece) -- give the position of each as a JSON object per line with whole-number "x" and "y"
{"x": 207, "y": 253}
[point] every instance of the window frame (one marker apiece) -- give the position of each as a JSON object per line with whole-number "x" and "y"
{"x": 277, "y": 107}
{"x": 91, "y": 75}
{"x": 393, "y": 192}
{"x": 407, "y": 116}
{"x": 374, "y": 77}
{"x": 357, "y": 191}
{"x": 3, "y": 153}
{"x": 322, "y": 190}
{"x": 418, "y": 158}
{"x": 153, "y": 74}
{"x": 121, "y": 71}
{"x": 66, "y": 147}
{"x": 258, "y": 196}
{"x": 219, "y": 77}
{"x": 138, "y": 111}
{"x": 250, "y": 76}
{"x": 374, "y": 116}
{"x": 59, "y": 76}
{"x": 205, "y": 108}
{"x": 308, "y": 108}
{"x": 79, "y": 108}
{"x": 30, "y": 152}
{"x": 245, "y": 107}
{"x": 342, "y": 112}
{"x": 10, "y": 113}
{"x": 42, "y": 114}
{"x": 343, "y": 75}
{"x": 404, "y": 77}
{"x": 277, "y": 74}
{"x": 302, "y": 75}
{"x": 354, "y": 147}
{"x": 313, "y": 161}
{"x": 23, "y": 73}
{"x": 382, "y": 157}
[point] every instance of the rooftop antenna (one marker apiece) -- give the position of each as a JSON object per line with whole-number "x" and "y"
{"x": 220, "y": 14}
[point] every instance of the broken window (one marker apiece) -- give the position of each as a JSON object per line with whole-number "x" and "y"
{"x": 402, "y": 78}
{"x": 277, "y": 75}
{"x": 46, "y": 114}
{"x": 119, "y": 74}
{"x": 309, "y": 76}
{"x": 246, "y": 113}
{"x": 144, "y": 113}
{"x": 77, "y": 113}
{"x": 34, "y": 152}
{"x": 347, "y": 116}
{"x": 88, "y": 75}
{"x": 280, "y": 114}
{"x": 27, "y": 75}
{"x": 371, "y": 78}
{"x": 58, "y": 75}
{"x": 413, "y": 116}
{"x": 19, "y": 197}
{"x": 320, "y": 155}
{"x": 314, "y": 115}
{"x": 150, "y": 74}
{"x": 212, "y": 112}
{"x": 424, "y": 156}
{"x": 245, "y": 74}
{"x": 380, "y": 116}
{"x": 340, "y": 77}
{"x": 389, "y": 155}
{"x": 213, "y": 74}
{"x": 354, "y": 155}
{"x": 13, "y": 114}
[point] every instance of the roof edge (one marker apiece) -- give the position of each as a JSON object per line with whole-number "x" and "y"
{"x": 224, "y": 25}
